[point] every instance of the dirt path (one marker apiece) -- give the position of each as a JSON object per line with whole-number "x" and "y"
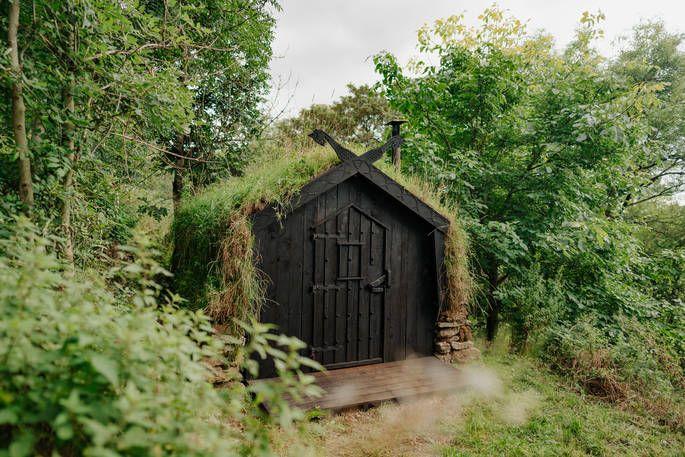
{"x": 417, "y": 428}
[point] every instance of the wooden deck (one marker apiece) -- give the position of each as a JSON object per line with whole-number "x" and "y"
{"x": 372, "y": 384}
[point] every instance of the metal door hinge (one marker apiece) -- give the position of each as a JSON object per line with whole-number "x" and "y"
{"x": 325, "y": 287}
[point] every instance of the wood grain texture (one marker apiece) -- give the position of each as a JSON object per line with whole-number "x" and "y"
{"x": 372, "y": 384}
{"x": 353, "y": 274}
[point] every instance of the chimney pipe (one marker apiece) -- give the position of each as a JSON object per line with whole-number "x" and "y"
{"x": 396, "y": 152}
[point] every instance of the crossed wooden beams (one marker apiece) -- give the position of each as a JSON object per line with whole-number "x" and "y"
{"x": 345, "y": 154}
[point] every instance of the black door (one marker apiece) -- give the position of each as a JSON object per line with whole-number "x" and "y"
{"x": 349, "y": 284}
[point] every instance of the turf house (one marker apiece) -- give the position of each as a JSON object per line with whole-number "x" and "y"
{"x": 362, "y": 263}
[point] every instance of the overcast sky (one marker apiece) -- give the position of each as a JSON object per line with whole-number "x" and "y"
{"x": 321, "y": 45}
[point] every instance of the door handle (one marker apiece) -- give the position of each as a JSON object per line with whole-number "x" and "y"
{"x": 377, "y": 285}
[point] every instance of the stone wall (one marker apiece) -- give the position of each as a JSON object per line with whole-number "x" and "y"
{"x": 454, "y": 340}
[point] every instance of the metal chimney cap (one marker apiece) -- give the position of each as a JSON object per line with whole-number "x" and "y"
{"x": 396, "y": 122}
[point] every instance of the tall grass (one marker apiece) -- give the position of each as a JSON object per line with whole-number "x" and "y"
{"x": 632, "y": 368}
{"x": 213, "y": 258}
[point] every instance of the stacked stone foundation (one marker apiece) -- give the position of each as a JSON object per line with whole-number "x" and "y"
{"x": 454, "y": 340}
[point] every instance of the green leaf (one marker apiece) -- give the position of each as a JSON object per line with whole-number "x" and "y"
{"x": 601, "y": 235}
{"x": 100, "y": 433}
{"x": 22, "y": 446}
{"x": 7, "y": 416}
{"x": 102, "y": 452}
{"x": 134, "y": 437}
{"x": 106, "y": 367}
{"x": 65, "y": 431}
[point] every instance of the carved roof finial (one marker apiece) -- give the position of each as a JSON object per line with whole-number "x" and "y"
{"x": 321, "y": 137}
{"x": 375, "y": 154}
{"x": 344, "y": 154}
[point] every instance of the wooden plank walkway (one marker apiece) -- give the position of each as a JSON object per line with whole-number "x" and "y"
{"x": 372, "y": 384}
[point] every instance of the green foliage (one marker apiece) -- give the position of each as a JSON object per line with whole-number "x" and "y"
{"x": 531, "y": 302}
{"x": 108, "y": 88}
{"x": 558, "y": 161}
{"x": 358, "y": 118}
{"x": 223, "y": 61}
{"x": 662, "y": 232}
{"x": 543, "y": 152}
{"x": 653, "y": 55}
{"x": 85, "y": 374}
{"x": 662, "y": 226}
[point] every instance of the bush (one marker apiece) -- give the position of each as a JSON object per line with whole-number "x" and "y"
{"x": 628, "y": 364}
{"x": 83, "y": 374}
{"x": 531, "y": 302}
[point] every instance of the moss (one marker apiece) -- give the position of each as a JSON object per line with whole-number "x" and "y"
{"x": 213, "y": 260}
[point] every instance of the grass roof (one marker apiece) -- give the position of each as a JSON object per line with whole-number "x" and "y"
{"x": 213, "y": 260}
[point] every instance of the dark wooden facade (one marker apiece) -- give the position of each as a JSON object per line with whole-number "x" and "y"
{"x": 354, "y": 269}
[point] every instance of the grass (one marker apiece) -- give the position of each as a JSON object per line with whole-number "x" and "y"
{"x": 213, "y": 260}
{"x": 515, "y": 408}
{"x": 562, "y": 421}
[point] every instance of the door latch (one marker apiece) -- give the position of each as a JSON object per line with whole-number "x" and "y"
{"x": 377, "y": 285}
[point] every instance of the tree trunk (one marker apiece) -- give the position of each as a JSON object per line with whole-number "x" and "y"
{"x": 492, "y": 319}
{"x": 179, "y": 162}
{"x": 493, "y": 308}
{"x": 70, "y": 145}
{"x": 397, "y": 157}
{"x": 19, "y": 109}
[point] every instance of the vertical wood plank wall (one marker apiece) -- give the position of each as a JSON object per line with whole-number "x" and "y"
{"x": 287, "y": 254}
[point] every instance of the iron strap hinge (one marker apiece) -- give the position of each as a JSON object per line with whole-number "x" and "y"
{"x": 336, "y": 347}
{"x": 377, "y": 282}
{"x": 350, "y": 243}
{"x": 325, "y": 287}
{"x": 323, "y": 236}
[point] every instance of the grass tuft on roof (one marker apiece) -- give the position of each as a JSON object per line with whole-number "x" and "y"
{"x": 213, "y": 258}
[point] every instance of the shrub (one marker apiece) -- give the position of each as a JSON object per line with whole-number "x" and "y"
{"x": 83, "y": 374}
{"x": 531, "y": 302}
{"x": 627, "y": 364}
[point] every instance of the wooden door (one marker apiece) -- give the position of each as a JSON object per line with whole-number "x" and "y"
{"x": 349, "y": 285}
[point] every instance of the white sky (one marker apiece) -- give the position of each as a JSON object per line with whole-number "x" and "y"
{"x": 321, "y": 45}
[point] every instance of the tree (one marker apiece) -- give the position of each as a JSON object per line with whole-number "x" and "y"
{"x": 223, "y": 62}
{"x": 358, "y": 117}
{"x": 84, "y": 62}
{"x": 18, "y": 107}
{"x": 110, "y": 87}
{"x": 540, "y": 150}
{"x": 652, "y": 55}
